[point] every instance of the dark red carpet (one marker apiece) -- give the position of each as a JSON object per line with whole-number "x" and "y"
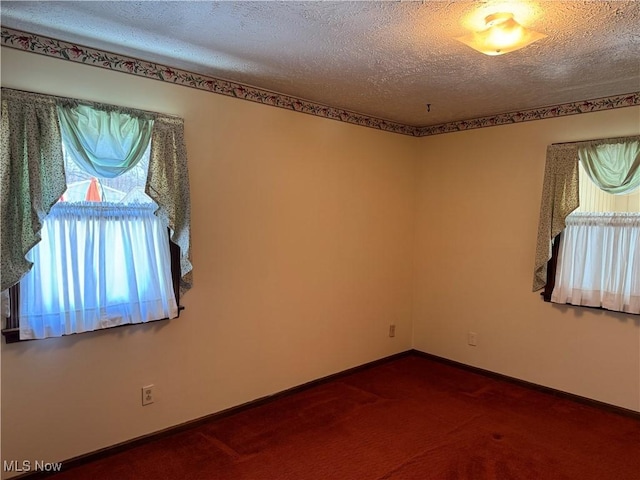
{"x": 410, "y": 418}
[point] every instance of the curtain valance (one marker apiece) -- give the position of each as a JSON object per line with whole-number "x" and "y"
{"x": 104, "y": 143}
{"x": 560, "y": 190}
{"x": 613, "y": 167}
{"x": 32, "y": 173}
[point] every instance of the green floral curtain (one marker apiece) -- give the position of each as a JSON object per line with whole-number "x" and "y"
{"x": 32, "y": 173}
{"x": 168, "y": 185}
{"x": 31, "y": 176}
{"x": 560, "y": 190}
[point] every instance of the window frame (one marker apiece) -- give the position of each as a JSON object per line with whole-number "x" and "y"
{"x": 552, "y": 266}
{"x": 560, "y": 197}
{"x": 41, "y": 120}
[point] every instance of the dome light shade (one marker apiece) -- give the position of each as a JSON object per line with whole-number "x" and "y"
{"x": 502, "y": 35}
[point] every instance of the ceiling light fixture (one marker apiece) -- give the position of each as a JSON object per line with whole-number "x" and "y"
{"x": 502, "y": 35}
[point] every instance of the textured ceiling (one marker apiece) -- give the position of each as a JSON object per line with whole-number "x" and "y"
{"x": 383, "y": 59}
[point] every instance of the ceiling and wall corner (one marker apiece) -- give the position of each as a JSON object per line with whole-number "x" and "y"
{"x": 375, "y": 64}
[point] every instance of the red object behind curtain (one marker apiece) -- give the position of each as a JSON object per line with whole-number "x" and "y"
{"x": 93, "y": 192}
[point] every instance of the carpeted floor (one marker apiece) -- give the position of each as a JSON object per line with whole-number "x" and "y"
{"x": 411, "y": 418}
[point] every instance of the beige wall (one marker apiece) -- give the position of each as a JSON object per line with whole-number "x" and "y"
{"x": 478, "y": 204}
{"x": 302, "y": 241}
{"x": 310, "y": 237}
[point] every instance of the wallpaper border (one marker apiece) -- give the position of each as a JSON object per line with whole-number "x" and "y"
{"x": 51, "y": 47}
{"x": 554, "y": 111}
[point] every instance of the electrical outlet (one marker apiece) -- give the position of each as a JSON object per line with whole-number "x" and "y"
{"x": 147, "y": 395}
{"x": 392, "y": 330}
{"x": 472, "y": 339}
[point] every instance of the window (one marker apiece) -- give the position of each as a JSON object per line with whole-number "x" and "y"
{"x": 104, "y": 198}
{"x": 595, "y": 259}
{"x": 594, "y": 199}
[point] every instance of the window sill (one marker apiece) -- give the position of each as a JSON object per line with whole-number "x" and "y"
{"x": 12, "y": 335}
{"x": 548, "y": 300}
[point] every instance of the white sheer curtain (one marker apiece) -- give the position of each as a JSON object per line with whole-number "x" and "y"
{"x": 116, "y": 264}
{"x": 599, "y": 262}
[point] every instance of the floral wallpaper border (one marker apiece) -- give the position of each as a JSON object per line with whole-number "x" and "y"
{"x": 75, "y": 53}
{"x": 562, "y": 110}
